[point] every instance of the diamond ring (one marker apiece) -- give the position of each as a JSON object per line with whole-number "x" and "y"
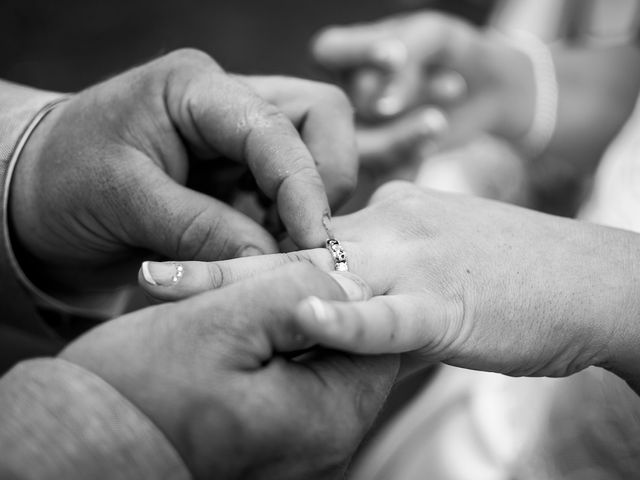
{"x": 339, "y": 257}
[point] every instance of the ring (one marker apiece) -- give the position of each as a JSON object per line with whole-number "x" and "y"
{"x": 339, "y": 257}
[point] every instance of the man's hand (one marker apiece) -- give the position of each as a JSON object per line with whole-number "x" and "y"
{"x": 471, "y": 282}
{"x": 209, "y": 372}
{"x": 106, "y": 175}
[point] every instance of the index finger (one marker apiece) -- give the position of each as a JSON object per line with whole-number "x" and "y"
{"x": 218, "y": 114}
{"x": 324, "y": 117}
{"x": 345, "y": 48}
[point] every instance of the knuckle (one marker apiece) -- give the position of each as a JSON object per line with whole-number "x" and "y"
{"x": 188, "y": 57}
{"x": 199, "y": 238}
{"x": 394, "y": 190}
{"x": 216, "y": 275}
{"x": 259, "y": 114}
{"x": 299, "y": 264}
{"x": 302, "y": 176}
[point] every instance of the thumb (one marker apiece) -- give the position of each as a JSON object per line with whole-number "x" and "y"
{"x": 182, "y": 224}
{"x": 386, "y": 324}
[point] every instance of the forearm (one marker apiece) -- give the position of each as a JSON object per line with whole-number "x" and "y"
{"x": 598, "y": 88}
{"x": 594, "y": 97}
{"x": 60, "y": 421}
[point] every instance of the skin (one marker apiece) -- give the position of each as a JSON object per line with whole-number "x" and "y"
{"x": 471, "y": 282}
{"x": 212, "y": 374}
{"x": 499, "y": 93}
{"x": 106, "y": 177}
{"x": 476, "y": 78}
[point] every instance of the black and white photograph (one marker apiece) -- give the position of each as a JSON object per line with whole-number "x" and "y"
{"x": 320, "y": 240}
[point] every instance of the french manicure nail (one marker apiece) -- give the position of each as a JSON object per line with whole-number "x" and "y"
{"x": 162, "y": 274}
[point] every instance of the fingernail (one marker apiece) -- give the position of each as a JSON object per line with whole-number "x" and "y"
{"x": 162, "y": 274}
{"x": 355, "y": 288}
{"x": 326, "y": 223}
{"x": 251, "y": 252}
{"x": 389, "y": 105}
{"x": 433, "y": 122}
{"x": 322, "y": 312}
{"x": 450, "y": 87}
{"x": 390, "y": 53}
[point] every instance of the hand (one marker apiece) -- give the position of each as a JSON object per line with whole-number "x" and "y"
{"x": 209, "y": 372}
{"x": 467, "y": 281}
{"x": 396, "y": 70}
{"x": 102, "y": 180}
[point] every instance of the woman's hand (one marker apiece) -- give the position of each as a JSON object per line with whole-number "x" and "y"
{"x": 106, "y": 176}
{"x": 397, "y": 69}
{"x": 471, "y": 282}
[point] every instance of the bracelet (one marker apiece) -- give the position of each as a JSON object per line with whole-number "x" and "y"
{"x": 545, "y": 116}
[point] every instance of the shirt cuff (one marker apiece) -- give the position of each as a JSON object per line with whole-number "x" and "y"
{"x": 58, "y": 420}
{"x": 96, "y": 305}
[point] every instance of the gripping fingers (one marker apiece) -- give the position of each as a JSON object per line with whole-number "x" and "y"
{"x": 391, "y": 324}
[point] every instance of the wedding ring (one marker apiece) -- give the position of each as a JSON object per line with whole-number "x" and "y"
{"x": 339, "y": 257}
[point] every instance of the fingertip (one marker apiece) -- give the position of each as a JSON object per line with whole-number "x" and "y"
{"x": 323, "y": 44}
{"x": 302, "y": 209}
{"x": 161, "y": 274}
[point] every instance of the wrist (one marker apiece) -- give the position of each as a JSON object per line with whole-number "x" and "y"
{"x": 516, "y": 87}
{"x": 621, "y": 283}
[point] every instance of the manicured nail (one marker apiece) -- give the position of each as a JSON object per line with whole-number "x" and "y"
{"x": 322, "y": 312}
{"x": 251, "y": 252}
{"x": 162, "y": 274}
{"x": 355, "y": 288}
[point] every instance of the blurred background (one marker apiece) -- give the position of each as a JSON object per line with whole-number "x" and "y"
{"x": 69, "y": 44}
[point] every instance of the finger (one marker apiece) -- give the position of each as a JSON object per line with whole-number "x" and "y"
{"x": 389, "y": 324}
{"x": 340, "y": 48}
{"x": 180, "y": 223}
{"x": 445, "y": 87}
{"x": 215, "y": 111}
{"x": 169, "y": 281}
{"x": 157, "y": 278}
{"x": 323, "y": 115}
{"x": 392, "y": 143}
{"x": 261, "y": 309}
{"x": 354, "y": 389}
{"x": 378, "y": 95}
